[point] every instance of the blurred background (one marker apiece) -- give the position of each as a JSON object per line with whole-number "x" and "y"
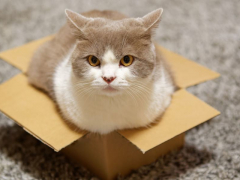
{"x": 207, "y": 32}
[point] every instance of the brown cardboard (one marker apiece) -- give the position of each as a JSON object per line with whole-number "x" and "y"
{"x": 113, "y": 155}
{"x": 24, "y": 104}
{"x": 185, "y": 112}
{"x": 21, "y": 56}
{"x": 187, "y": 73}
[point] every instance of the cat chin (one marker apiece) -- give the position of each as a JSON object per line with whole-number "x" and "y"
{"x": 109, "y": 91}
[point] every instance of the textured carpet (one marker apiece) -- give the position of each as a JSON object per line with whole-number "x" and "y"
{"x": 205, "y": 31}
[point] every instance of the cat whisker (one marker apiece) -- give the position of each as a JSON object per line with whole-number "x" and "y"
{"x": 163, "y": 86}
{"x": 144, "y": 88}
{"x": 80, "y": 91}
{"x": 89, "y": 95}
{"x": 136, "y": 94}
{"x": 142, "y": 95}
{"x": 131, "y": 94}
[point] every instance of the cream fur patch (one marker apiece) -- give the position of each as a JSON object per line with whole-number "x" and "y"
{"x": 109, "y": 56}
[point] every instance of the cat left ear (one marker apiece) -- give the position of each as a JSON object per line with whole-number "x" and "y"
{"x": 76, "y": 20}
{"x": 152, "y": 19}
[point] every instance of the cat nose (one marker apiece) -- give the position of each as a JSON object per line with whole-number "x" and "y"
{"x": 108, "y": 79}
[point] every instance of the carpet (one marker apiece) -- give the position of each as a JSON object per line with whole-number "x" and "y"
{"x": 207, "y": 32}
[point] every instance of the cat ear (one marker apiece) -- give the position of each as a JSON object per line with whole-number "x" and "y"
{"x": 76, "y": 20}
{"x": 152, "y": 19}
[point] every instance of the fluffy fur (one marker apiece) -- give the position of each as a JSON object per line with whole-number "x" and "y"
{"x": 139, "y": 93}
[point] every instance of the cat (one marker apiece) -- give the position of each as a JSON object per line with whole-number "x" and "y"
{"x": 104, "y": 72}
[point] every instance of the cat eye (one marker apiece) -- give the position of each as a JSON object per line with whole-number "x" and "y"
{"x": 93, "y": 61}
{"x": 127, "y": 60}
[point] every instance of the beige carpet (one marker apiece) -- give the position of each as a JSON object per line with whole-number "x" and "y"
{"x": 207, "y": 32}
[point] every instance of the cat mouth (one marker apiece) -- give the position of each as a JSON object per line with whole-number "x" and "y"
{"x": 110, "y": 89}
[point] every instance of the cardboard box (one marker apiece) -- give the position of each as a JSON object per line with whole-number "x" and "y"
{"x": 118, "y": 152}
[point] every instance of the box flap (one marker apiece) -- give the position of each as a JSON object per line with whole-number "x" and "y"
{"x": 185, "y": 112}
{"x": 36, "y": 112}
{"x": 187, "y": 72}
{"x": 21, "y": 56}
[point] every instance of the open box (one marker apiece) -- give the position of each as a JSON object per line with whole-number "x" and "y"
{"x": 118, "y": 152}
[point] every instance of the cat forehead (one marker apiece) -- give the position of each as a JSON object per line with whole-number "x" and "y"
{"x": 106, "y": 27}
{"x": 109, "y": 56}
{"x": 127, "y": 23}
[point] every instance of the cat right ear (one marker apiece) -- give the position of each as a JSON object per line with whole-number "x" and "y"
{"x": 152, "y": 19}
{"x": 76, "y": 21}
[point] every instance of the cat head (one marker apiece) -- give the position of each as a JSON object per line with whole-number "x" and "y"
{"x": 112, "y": 55}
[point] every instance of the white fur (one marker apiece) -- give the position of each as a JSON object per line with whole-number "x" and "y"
{"x": 89, "y": 107}
{"x": 109, "y": 56}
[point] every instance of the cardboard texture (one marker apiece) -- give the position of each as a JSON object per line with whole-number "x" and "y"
{"x": 184, "y": 112}
{"x": 112, "y": 154}
{"x": 21, "y": 56}
{"x": 120, "y": 151}
{"x": 23, "y": 103}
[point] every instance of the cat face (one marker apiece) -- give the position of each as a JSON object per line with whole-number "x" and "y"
{"x": 111, "y": 56}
